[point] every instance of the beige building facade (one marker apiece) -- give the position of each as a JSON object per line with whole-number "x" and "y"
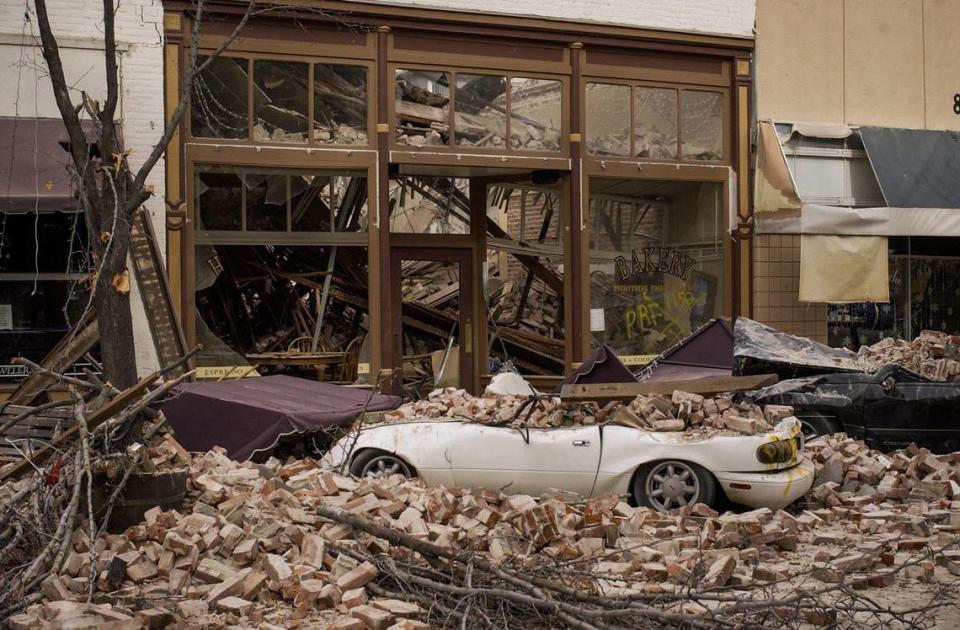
{"x": 853, "y": 63}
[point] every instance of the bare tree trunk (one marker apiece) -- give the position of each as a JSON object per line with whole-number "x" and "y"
{"x": 111, "y": 194}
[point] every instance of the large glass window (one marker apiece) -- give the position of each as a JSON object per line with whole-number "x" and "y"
{"x": 536, "y": 112}
{"x": 667, "y": 123}
{"x": 655, "y": 123}
{"x": 422, "y": 103}
{"x": 44, "y": 260}
{"x": 523, "y": 279}
{"x": 483, "y": 111}
{"x": 701, "y": 125}
{"x": 608, "y": 114}
{"x": 282, "y": 107}
{"x": 656, "y": 262}
{"x": 235, "y": 199}
{"x": 924, "y": 295}
{"x": 340, "y": 104}
{"x": 218, "y": 107}
{"x": 288, "y": 277}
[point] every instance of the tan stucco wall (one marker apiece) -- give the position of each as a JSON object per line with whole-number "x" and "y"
{"x": 891, "y": 63}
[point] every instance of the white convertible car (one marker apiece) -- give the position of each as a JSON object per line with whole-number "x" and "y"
{"x": 660, "y": 470}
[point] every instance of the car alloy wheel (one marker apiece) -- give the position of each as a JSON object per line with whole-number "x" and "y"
{"x": 672, "y": 485}
{"x": 383, "y": 466}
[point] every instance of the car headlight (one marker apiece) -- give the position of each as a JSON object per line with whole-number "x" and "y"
{"x": 779, "y": 452}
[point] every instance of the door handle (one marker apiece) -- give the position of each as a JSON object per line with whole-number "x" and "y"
{"x": 581, "y": 442}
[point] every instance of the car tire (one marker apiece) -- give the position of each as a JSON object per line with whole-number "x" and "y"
{"x": 375, "y": 464}
{"x": 671, "y": 483}
{"x": 815, "y": 424}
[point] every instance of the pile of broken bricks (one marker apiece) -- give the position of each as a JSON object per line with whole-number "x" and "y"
{"x": 273, "y": 545}
{"x": 657, "y": 412}
{"x": 933, "y": 354}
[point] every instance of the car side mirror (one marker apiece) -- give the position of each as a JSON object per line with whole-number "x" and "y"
{"x": 889, "y": 385}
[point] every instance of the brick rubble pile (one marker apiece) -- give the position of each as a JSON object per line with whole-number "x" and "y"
{"x": 933, "y": 354}
{"x": 251, "y": 548}
{"x": 657, "y": 412}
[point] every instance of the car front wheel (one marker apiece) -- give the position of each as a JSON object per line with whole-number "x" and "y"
{"x": 815, "y": 424}
{"x": 376, "y": 464}
{"x": 670, "y": 484}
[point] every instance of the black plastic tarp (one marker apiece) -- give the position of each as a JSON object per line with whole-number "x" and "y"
{"x": 916, "y": 168}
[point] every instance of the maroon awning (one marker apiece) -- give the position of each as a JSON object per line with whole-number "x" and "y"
{"x": 33, "y": 166}
{"x": 247, "y": 415}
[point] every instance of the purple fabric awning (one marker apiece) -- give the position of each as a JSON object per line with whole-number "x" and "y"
{"x": 33, "y": 166}
{"x": 707, "y": 351}
{"x": 249, "y": 414}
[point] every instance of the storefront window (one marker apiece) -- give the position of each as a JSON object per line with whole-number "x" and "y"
{"x": 219, "y": 108}
{"x": 608, "y": 119}
{"x": 43, "y": 260}
{"x": 923, "y": 296}
{"x": 234, "y": 199}
{"x": 339, "y": 104}
{"x": 701, "y": 125}
{"x": 656, "y": 262}
{"x": 655, "y": 123}
{"x": 422, "y": 107}
{"x": 481, "y": 110}
{"x": 535, "y": 114}
{"x": 264, "y": 298}
{"x": 280, "y": 102}
{"x": 523, "y": 279}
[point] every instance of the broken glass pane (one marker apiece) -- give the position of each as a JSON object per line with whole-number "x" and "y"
{"x": 218, "y": 108}
{"x": 312, "y": 196}
{"x": 655, "y": 123}
{"x": 422, "y": 107}
{"x": 701, "y": 125}
{"x": 266, "y": 202}
{"x": 280, "y": 101}
{"x": 535, "y": 114}
{"x": 340, "y": 104}
{"x": 219, "y": 201}
{"x": 481, "y": 110}
{"x": 421, "y": 205}
{"x": 608, "y": 119}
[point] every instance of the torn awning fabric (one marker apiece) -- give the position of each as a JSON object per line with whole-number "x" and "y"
{"x": 34, "y": 162}
{"x": 247, "y": 415}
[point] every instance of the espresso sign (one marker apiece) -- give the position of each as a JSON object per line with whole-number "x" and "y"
{"x": 652, "y": 260}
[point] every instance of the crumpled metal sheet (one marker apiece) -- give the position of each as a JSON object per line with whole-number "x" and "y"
{"x": 760, "y": 349}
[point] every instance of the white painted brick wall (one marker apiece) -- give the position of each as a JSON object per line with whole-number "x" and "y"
{"x": 139, "y": 28}
{"x": 723, "y": 17}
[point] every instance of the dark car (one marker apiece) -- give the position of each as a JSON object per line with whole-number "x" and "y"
{"x": 888, "y": 409}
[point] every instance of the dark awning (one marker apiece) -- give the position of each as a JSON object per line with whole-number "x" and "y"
{"x": 707, "y": 351}
{"x": 915, "y": 168}
{"x": 247, "y": 415}
{"x": 33, "y": 166}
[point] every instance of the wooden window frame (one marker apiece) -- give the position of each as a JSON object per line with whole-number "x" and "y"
{"x": 726, "y": 121}
{"x": 562, "y": 153}
{"x": 251, "y": 58}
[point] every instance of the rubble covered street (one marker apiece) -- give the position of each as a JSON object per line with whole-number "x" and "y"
{"x": 293, "y": 544}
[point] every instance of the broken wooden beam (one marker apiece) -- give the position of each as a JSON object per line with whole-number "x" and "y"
{"x": 629, "y": 391}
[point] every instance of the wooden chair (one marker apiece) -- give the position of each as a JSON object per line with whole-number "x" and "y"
{"x": 347, "y": 372}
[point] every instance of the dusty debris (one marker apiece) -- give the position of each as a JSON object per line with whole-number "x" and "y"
{"x": 933, "y": 354}
{"x": 292, "y": 543}
{"x": 680, "y": 412}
